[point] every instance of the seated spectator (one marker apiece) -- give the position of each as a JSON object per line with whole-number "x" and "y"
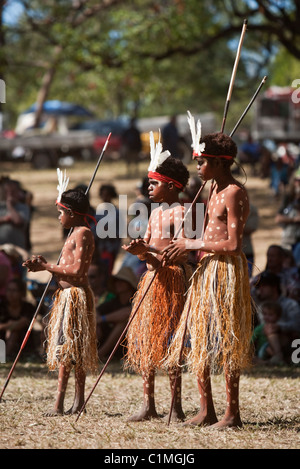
{"x": 289, "y": 216}
{"x": 112, "y": 316}
{"x": 16, "y": 255}
{"x": 108, "y": 247}
{"x": 276, "y": 264}
{"x": 98, "y": 278}
{"x": 269, "y": 342}
{"x": 293, "y": 289}
{"x": 15, "y": 317}
{"x": 14, "y": 214}
{"x": 6, "y": 273}
{"x": 268, "y": 289}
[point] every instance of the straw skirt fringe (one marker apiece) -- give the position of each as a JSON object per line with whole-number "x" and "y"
{"x": 220, "y": 317}
{"x": 71, "y": 331}
{"x": 156, "y": 319}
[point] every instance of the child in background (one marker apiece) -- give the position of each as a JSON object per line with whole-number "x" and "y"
{"x": 267, "y": 337}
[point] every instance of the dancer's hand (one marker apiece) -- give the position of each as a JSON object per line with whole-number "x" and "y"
{"x": 35, "y": 264}
{"x": 176, "y": 249}
{"x": 136, "y": 247}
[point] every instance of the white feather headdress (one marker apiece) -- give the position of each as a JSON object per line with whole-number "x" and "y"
{"x": 156, "y": 154}
{"x": 63, "y": 182}
{"x": 196, "y": 135}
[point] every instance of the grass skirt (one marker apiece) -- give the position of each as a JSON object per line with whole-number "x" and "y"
{"x": 156, "y": 319}
{"x": 220, "y": 317}
{"x": 71, "y": 331}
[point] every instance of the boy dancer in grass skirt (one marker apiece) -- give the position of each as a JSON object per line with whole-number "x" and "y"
{"x": 156, "y": 319}
{"x": 71, "y": 331}
{"x": 218, "y": 303}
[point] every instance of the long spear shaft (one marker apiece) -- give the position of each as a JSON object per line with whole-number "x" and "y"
{"x": 230, "y": 88}
{"x": 137, "y": 308}
{"x": 249, "y": 105}
{"x": 48, "y": 284}
{"x": 187, "y": 316}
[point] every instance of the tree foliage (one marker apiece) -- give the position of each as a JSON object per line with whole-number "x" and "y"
{"x": 142, "y": 56}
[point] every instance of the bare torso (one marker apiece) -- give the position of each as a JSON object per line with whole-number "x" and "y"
{"x": 227, "y": 214}
{"x": 164, "y": 224}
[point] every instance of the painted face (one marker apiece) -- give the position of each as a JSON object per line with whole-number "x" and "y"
{"x": 64, "y": 217}
{"x": 205, "y": 168}
{"x": 157, "y": 190}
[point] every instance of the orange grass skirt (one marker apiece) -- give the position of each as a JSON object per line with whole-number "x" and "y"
{"x": 71, "y": 331}
{"x": 155, "y": 321}
{"x": 220, "y": 317}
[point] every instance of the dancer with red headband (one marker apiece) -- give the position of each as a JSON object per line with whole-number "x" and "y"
{"x": 155, "y": 321}
{"x": 71, "y": 330}
{"x": 218, "y": 312}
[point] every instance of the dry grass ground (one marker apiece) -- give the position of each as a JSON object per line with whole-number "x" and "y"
{"x": 269, "y": 406}
{"x": 269, "y": 396}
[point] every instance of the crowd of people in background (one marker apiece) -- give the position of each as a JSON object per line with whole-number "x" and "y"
{"x": 275, "y": 291}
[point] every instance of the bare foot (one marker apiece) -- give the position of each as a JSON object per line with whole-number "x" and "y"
{"x": 53, "y": 413}
{"x": 202, "y": 419}
{"x": 74, "y": 410}
{"x": 143, "y": 414}
{"x": 177, "y": 415}
{"x": 228, "y": 422}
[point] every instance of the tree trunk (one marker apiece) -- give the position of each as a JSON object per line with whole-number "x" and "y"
{"x": 46, "y": 85}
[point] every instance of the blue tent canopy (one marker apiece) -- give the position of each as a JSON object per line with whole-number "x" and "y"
{"x": 61, "y": 108}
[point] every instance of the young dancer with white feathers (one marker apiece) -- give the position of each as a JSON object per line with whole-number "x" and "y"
{"x": 71, "y": 331}
{"x": 151, "y": 330}
{"x": 218, "y": 309}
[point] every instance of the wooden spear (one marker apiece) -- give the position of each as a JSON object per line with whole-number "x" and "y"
{"x": 185, "y": 327}
{"x": 137, "y": 308}
{"x": 49, "y": 281}
{"x": 230, "y": 88}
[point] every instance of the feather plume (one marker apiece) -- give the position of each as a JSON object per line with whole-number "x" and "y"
{"x": 63, "y": 182}
{"x": 196, "y": 135}
{"x": 156, "y": 154}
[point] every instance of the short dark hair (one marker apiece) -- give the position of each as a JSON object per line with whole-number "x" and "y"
{"x": 274, "y": 306}
{"x": 269, "y": 278}
{"x": 174, "y": 169}
{"x": 76, "y": 200}
{"x": 219, "y": 144}
{"x": 110, "y": 189}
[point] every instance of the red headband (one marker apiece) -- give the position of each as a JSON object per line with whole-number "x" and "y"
{"x": 85, "y": 215}
{"x": 226, "y": 157}
{"x": 163, "y": 178}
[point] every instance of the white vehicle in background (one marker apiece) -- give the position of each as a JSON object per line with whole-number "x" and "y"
{"x": 45, "y": 146}
{"x": 277, "y": 115}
